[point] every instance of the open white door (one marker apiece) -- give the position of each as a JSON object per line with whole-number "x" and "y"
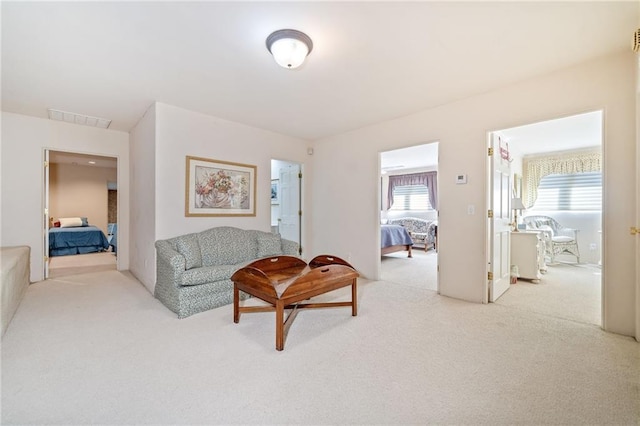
{"x": 46, "y": 214}
{"x": 499, "y": 221}
{"x": 290, "y": 208}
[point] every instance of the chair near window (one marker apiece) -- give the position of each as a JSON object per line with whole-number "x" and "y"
{"x": 557, "y": 238}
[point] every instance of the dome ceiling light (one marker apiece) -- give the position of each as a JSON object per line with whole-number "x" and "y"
{"x": 289, "y": 47}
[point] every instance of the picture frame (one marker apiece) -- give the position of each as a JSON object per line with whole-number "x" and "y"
{"x": 219, "y": 188}
{"x": 275, "y": 191}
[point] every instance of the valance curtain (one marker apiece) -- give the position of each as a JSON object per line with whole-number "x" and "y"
{"x": 536, "y": 168}
{"x": 430, "y": 179}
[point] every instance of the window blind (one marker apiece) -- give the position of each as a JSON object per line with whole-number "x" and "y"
{"x": 411, "y": 197}
{"x": 578, "y": 191}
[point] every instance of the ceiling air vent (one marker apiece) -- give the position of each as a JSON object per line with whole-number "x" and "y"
{"x": 636, "y": 41}
{"x": 85, "y": 120}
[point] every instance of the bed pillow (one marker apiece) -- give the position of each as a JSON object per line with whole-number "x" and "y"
{"x": 85, "y": 222}
{"x": 70, "y": 222}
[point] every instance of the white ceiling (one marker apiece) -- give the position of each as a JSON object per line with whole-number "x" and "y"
{"x": 371, "y": 61}
{"x": 562, "y": 134}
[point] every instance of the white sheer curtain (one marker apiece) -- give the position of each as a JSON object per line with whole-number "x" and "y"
{"x": 535, "y": 168}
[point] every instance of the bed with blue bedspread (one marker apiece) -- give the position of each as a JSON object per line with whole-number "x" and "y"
{"x": 395, "y": 238}
{"x": 76, "y": 240}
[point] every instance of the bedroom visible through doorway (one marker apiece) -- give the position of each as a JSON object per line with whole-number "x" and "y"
{"x": 81, "y": 202}
{"x": 556, "y": 172}
{"x": 408, "y": 225}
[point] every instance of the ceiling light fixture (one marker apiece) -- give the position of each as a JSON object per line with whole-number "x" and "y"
{"x": 289, "y": 47}
{"x": 72, "y": 117}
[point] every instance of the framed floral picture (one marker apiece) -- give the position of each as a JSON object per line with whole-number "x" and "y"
{"x": 219, "y": 188}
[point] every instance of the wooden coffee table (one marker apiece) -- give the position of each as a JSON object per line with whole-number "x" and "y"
{"x": 284, "y": 281}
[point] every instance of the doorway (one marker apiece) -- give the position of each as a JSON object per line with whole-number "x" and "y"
{"x": 80, "y": 187}
{"x": 556, "y": 172}
{"x": 286, "y": 200}
{"x": 408, "y": 199}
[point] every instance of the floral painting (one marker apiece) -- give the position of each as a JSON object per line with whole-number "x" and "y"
{"x": 219, "y": 188}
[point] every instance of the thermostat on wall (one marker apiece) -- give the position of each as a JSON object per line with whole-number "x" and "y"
{"x": 461, "y": 179}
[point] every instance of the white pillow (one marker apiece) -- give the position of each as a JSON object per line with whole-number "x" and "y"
{"x": 70, "y": 222}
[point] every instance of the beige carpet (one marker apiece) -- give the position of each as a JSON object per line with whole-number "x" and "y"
{"x": 568, "y": 290}
{"x": 61, "y": 266}
{"x": 99, "y": 349}
{"x": 419, "y": 271}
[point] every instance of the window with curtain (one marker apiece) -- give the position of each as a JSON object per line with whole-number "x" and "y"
{"x": 574, "y": 163}
{"x": 576, "y": 191}
{"x": 411, "y": 197}
{"x": 417, "y": 191}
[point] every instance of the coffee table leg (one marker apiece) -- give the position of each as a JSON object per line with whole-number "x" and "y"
{"x": 279, "y": 325}
{"x": 236, "y": 304}
{"x": 354, "y": 298}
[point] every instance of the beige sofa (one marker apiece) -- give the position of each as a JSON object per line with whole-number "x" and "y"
{"x": 14, "y": 280}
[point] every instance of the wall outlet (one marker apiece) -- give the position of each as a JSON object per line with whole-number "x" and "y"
{"x": 471, "y": 209}
{"x": 593, "y": 247}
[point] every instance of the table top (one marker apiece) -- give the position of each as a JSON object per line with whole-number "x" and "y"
{"x": 287, "y": 276}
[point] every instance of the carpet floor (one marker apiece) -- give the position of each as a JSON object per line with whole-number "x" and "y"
{"x": 62, "y": 266}
{"x": 99, "y": 349}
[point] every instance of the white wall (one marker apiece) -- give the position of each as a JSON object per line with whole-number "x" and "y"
{"x": 178, "y": 133}
{"x": 76, "y": 190}
{"x": 143, "y": 199}
{"x": 24, "y": 140}
{"x": 346, "y": 221}
{"x": 637, "y": 225}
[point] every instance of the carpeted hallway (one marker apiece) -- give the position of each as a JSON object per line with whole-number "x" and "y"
{"x": 99, "y": 349}
{"x": 62, "y": 266}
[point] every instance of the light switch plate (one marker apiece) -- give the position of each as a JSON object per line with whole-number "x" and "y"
{"x": 460, "y": 179}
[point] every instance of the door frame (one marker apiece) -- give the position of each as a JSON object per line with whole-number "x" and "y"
{"x": 379, "y": 206}
{"x": 300, "y": 197}
{"x": 46, "y": 205}
{"x": 488, "y": 235}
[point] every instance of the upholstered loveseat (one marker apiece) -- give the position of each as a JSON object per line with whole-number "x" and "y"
{"x": 193, "y": 271}
{"x": 423, "y": 232}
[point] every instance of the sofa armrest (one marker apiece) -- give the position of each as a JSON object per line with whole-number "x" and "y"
{"x": 169, "y": 263}
{"x": 290, "y": 248}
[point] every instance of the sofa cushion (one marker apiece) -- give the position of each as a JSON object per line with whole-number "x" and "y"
{"x": 188, "y": 246}
{"x": 269, "y": 245}
{"x": 226, "y": 245}
{"x": 208, "y": 274}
